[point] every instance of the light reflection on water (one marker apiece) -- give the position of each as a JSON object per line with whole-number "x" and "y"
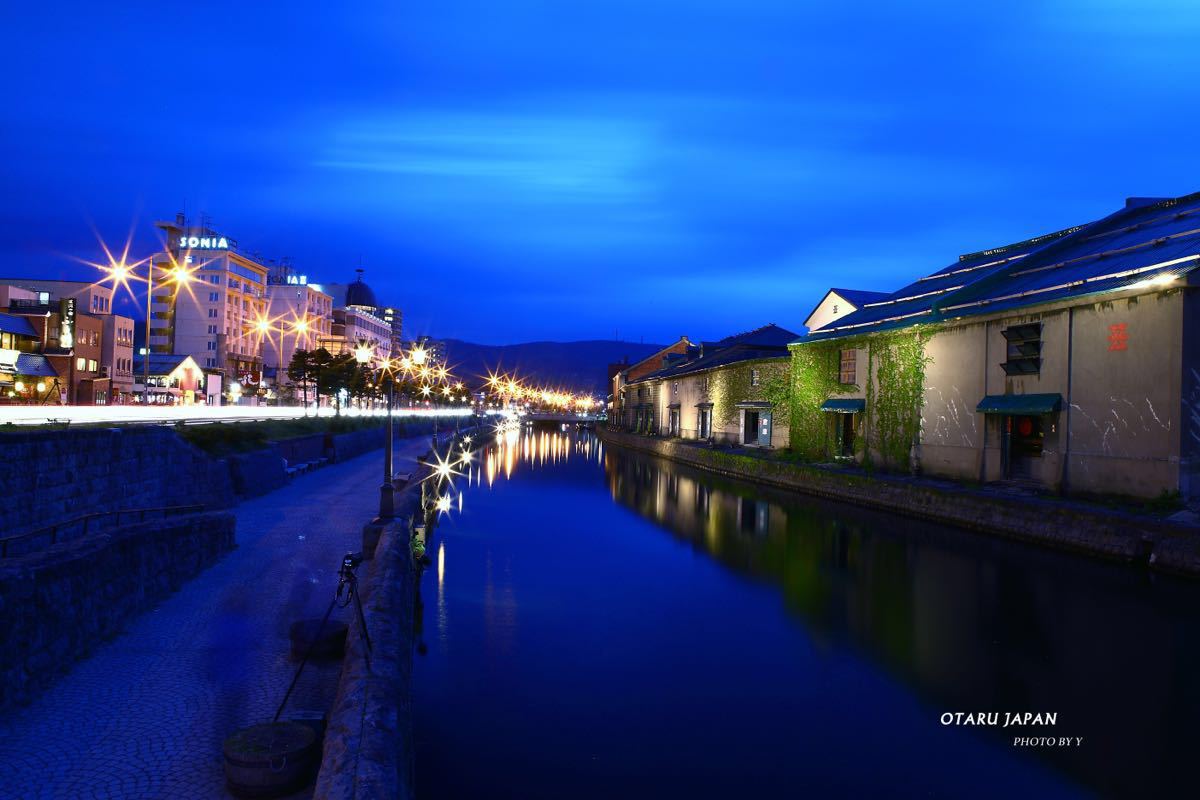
{"x": 822, "y": 638}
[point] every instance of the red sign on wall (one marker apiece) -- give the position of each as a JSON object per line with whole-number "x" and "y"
{"x": 1118, "y": 337}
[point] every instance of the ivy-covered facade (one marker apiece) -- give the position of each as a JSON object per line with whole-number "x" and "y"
{"x": 734, "y": 391}
{"x": 1069, "y": 362}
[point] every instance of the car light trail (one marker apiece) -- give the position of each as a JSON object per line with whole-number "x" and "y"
{"x": 194, "y": 414}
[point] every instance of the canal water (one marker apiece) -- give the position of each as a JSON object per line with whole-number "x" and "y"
{"x": 599, "y": 623}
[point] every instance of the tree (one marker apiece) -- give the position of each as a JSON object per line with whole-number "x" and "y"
{"x": 300, "y": 370}
{"x": 334, "y": 374}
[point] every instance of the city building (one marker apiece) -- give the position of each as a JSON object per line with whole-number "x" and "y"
{"x": 174, "y": 379}
{"x": 630, "y": 410}
{"x": 116, "y": 358}
{"x": 69, "y": 340}
{"x": 301, "y": 315}
{"x": 94, "y": 300}
{"x": 212, "y": 313}
{"x": 26, "y": 376}
{"x": 434, "y": 349}
{"x": 725, "y": 392}
{"x": 358, "y": 321}
{"x": 1069, "y": 362}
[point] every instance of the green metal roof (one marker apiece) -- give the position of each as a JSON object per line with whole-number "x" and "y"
{"x": 844, "y": 405}
{"x": 1020, "y": 404}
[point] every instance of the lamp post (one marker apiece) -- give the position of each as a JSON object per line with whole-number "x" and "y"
{"x": 120, "y": 273}
{"x": 387, "y": 497}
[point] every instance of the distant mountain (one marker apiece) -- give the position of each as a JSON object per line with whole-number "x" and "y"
{"x": 577, "y": 366}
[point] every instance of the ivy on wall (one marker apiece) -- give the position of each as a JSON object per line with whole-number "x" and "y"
{"x": 729, "y": 386}
{"x": 814, "y": 379}
{"x": 895, "y": 379}
{"x": 895, "y": 396}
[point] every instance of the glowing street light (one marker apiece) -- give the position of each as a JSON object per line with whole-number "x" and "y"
{"x": 387, "y": 495}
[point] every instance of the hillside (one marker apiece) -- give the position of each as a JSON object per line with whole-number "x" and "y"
{"x": 578, "y": 366}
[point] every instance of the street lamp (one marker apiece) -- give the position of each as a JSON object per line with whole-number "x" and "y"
{"x": 387, "y": 497}
{"x": 120, "y": 273}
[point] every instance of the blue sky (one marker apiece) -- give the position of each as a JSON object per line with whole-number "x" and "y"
{"x": 509, "y": 171}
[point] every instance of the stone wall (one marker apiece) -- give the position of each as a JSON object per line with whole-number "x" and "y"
{"x": 59, "y": 603}
{"x": 54, "y": 475}
{"x": 368, "y": 750}
{"x": 1061, "y": 524}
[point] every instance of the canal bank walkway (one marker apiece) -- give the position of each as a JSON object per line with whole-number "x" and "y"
{"x": 145, "y": 715}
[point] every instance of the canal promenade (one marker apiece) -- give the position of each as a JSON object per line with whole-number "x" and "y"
{"x": 1168, "y": 545}
{"x": 145, "y": 715}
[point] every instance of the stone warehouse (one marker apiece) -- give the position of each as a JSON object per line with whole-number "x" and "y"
{"x": 730, "y": 391}
{"x": 1066, "y": 362}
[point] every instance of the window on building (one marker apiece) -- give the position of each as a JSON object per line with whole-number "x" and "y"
{"x": 1024, "y": 355}
{"x": 212, "y": 328}
{"x": 92, "y": 365}
{"x": 210, "y": 362}
{"x": 848, "y": 366}
{"x": 212, "y": 345}
{"x": 754, "y": 377}
{"x": 80, "y": 363}
{"x": 212, "y": 313}
{"x": 213, "y": 297}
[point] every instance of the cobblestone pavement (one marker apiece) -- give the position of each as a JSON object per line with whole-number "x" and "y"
{"x": 144, "y": 716}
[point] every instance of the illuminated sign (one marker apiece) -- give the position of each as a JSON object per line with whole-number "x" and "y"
{"x": 66, "y": 336}
{"x": 297, "y": 280}
{"x": 251, "y": 378}
{"x": 203, "y": 243}
{"x": 8, "y": 360}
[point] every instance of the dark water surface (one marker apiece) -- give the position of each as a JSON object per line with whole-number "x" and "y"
{"x": 601, "y": 623}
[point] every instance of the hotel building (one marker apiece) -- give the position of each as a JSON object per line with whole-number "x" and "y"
{"x": 358, "y": 319}
{"x": 210, "y": 317}
{"x": 301, "y": 315}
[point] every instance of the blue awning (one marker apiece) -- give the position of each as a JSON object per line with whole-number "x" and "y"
{"x": 11, "y": 323}
{"x": 844, "y": 405}
{"x": 1031, "y": 404}
{"x": 32, "y": 365}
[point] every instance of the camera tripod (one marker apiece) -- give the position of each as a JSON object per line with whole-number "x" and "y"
{"x": 347, "y": 585}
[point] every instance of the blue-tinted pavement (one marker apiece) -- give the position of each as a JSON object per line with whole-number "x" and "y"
{"x": 144, "y": 716}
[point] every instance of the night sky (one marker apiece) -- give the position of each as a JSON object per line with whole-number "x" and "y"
{"x": 522, "y": 170}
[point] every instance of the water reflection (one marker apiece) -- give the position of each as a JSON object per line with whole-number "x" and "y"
{"x": 971, "y": 623}
{"x": 537, "y": 447}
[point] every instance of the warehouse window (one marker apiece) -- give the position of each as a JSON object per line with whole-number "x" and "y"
{"x": 848, "y": 366}
{"x": 1024, "y": 353}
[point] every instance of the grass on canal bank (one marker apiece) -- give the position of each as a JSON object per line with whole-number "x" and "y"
{"x": 224, "y": 438}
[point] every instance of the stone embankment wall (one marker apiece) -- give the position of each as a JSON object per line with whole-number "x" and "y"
{"x": 1061, "y": 524}
{"x": 368, "y": 749}
{"x": 258, "y": 472}
{"x": 59, "y": 603}
{"x": 50, "y": 476}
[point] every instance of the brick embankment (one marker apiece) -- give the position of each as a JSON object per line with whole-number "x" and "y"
{"x": 1065, "y": 525}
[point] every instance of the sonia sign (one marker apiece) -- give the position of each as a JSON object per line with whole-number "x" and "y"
{"x": 203, "y": 243}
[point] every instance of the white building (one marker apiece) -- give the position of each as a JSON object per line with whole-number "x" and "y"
{"x": 213, "y": 315}
{"x": 301, "y": 316}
